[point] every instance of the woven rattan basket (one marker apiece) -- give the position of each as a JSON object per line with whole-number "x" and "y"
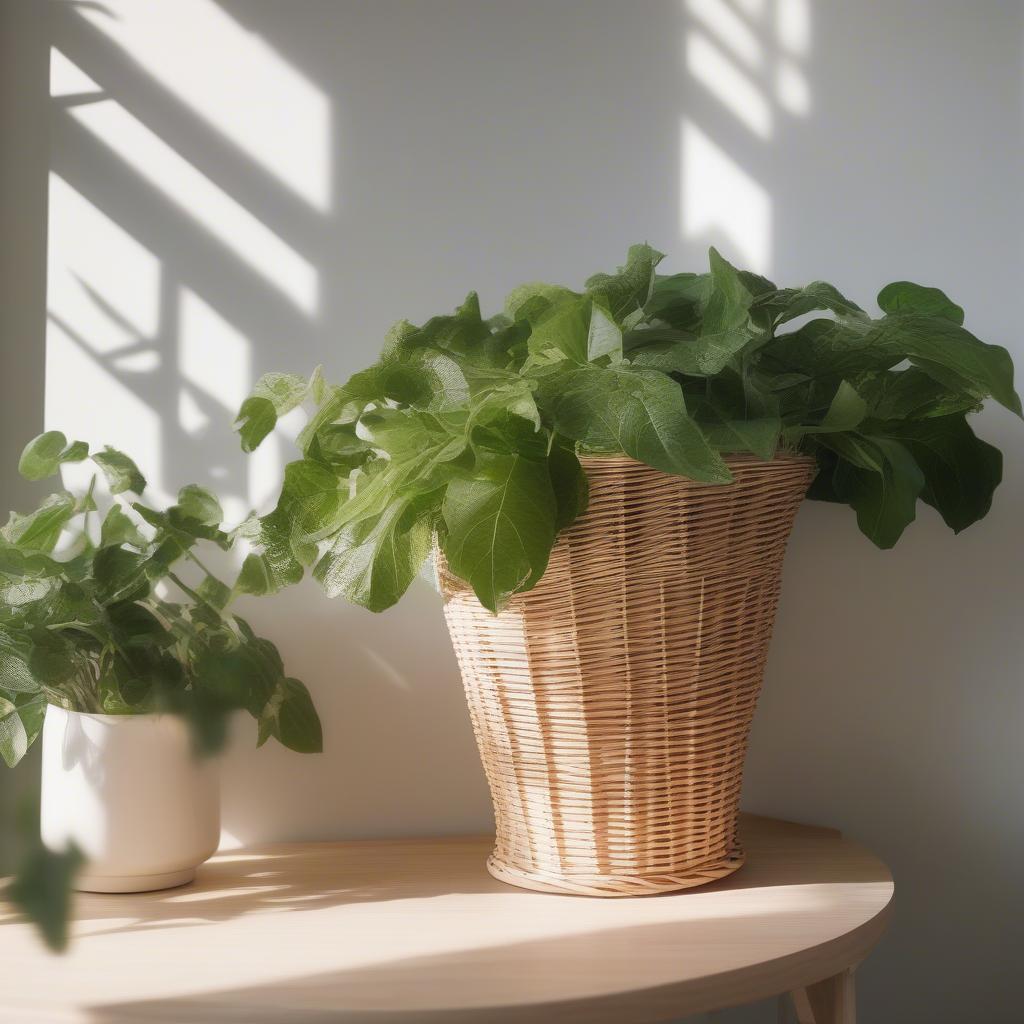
{"x": 612, "y": 703}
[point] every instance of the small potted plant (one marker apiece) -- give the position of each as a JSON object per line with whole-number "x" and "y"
{"x": 129, "y": 672}
{"x": 609, "y": 477}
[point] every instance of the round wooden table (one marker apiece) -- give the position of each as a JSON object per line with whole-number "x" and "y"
{"x": 417, "y": 931}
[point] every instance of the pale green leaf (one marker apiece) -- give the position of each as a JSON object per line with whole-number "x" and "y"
{"x": 122, "y": 474}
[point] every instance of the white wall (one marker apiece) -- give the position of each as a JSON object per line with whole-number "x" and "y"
{"x": 257, "y": 185}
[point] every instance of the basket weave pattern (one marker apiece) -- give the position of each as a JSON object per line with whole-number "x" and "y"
{"x": 612, "y": 703}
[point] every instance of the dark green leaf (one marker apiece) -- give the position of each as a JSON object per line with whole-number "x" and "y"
{"x": 906, "y": 297}
{"x": 819, "y": 295}
{"x": 880, "y": 479}
{"x": 118, "y": 528}
{"x": 255, "y": 420}
{"x": 568, "y": 483}
{"x": 215, "y": 593}
{"x": 289, "y": 716}
{"x": 950, "y": 354}
{"x": 499, "y": 526}
{"x": 42, "y": 891}
{"x": 960, "y": 471}
{"x": 912, "y": 394}
{"x": 120, "y": 575}
{"x": 678, "y": 300}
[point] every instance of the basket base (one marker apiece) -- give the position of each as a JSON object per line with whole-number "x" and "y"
{"x": 612, "y": 885}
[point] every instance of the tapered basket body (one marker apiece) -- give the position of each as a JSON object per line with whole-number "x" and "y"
{"x": 612, "y": 703}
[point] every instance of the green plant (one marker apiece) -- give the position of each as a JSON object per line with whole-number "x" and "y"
{"x": 93, "y": 630}
{"x": 468, "y": 429}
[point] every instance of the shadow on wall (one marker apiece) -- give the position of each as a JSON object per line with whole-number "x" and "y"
{"x": 245, "y": 186}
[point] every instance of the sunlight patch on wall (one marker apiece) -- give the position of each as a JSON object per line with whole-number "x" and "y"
{"x": 721, "y": 203}
{"x": 101, "y": 281}
{"x": 793, "y": 25}
{"x": 729, "y": 29}
{"x": 66, "y": 79}
{"x": 792, "y": 90}
{"x": 198, "y": 197}
{"x": 213, "y": 355}
{"x": 115, "y": 415}
{"x": 233, "y": 80}
{"x": 728, "y": 84}
{"x": 754, "y": 8}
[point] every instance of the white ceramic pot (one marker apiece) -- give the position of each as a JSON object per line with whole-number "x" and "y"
{"x": 129, "y": 792}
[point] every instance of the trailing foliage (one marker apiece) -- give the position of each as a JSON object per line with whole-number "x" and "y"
{"x": 468, "y": 429}
{"x": 92, "y": 630}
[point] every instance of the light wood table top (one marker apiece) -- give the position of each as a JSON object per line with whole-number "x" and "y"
{"x": 416, "y": 931}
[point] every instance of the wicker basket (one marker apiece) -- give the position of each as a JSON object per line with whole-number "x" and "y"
{"x": 612, "y": 703}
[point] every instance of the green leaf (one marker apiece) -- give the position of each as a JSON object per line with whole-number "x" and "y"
{"x": 338, "y": 445}
{"x": 120, "y": 575}
{"x": 678, "y": 300}
{"x": 15, "y": 675}
{"x": 565, "y": 331}
{"x": 604, "y": 337}
{"x": 636, "y": 411}
{"x": 907, "y": 297}
{"x": 289, "y": 716}
{"x": 373, "y": 561}
{"x": 255, "y": 420}
{"x": 950, "y": 354}
{"x": 532, "y": 301}
{"x": 911, "y": 394}
{"x": 760, "y": 436}
{"x": 879, "y": 478}
{"x": 21, "y": 718}
{"x": 631, "y": 286}
{"x": 117, "y": 528}
{"x": 200, "y": 504}
{"x": 726, "y": 329}
{"x": 830, "y": 349}
{"x": 961, "y": 472}
{"x": 846, "y": 411}
{"x": 122, "y": 474}
{"x": 43, "y": 455}
{"x": 500, "y": 526}
{"x": 42, "y": 891}
{"x": 723, "y": 333}
{"x": 263, "y": 574}
{"x": 285, "y": 391}
{"x": 819, "y": 295}
{"x": 568, "y": 483}
{"x": 214, "y": 592}
{"x": 736, "y": 413}
{"x": 40, "y": 530}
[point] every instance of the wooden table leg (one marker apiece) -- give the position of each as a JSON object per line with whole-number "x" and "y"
{"x": 827, "y": 1002}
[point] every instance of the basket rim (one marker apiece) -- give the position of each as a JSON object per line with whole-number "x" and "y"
{"x": 780, "y": 458}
